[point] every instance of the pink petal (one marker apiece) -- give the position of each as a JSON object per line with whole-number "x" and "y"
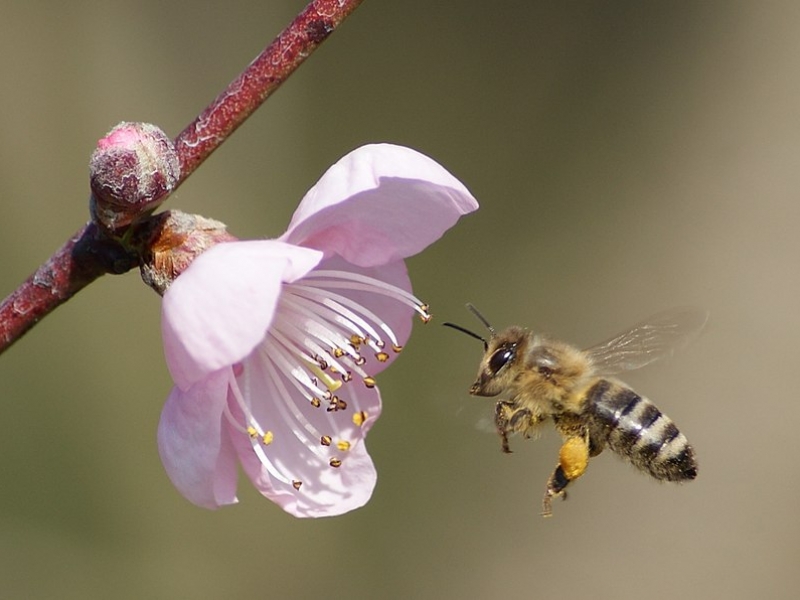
{"x": 198, "y": 458}
{"x": 296, "y": 451}
{"x": 377, "y": 204}
{"x": 218, "y": 310}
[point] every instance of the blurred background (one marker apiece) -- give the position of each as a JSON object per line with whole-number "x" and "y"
{"x": 629, "y": 157}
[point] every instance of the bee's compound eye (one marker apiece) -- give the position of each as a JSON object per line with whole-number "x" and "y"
{"x": 502, "y": 357}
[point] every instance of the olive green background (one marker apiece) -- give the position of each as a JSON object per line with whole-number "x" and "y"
{"x": 628, "y": 156}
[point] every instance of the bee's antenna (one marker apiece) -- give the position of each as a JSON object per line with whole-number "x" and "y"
{"x": 478, "y": 314}
{"x": 469, "y": 333}
{"x": 482, "y": 319}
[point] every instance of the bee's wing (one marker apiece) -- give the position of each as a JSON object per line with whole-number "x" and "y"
{"x": 654, "y": 338}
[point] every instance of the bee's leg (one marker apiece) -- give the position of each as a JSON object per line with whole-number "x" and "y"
{"x": 509, "y": 418}
{"x": 503, "y": 411}
{"x": 573, "y": 458}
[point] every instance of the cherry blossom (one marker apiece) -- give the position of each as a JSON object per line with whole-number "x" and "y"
{"x": 274, "y": 345}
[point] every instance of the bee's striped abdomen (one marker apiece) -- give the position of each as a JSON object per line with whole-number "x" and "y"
{"x": 633, "y": 427}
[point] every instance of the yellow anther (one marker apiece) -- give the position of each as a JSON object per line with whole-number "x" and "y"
{"x": 343, "y": 445}
{"x": 251, "y": 431}
{"x": 397, "y": 348}
{"x": 382, "y": 356}
{"x": 369, "y": 382}
{"x": 359, "y": 418}
{"x": 267, "y": 439}
{"x": 338, "y": 352}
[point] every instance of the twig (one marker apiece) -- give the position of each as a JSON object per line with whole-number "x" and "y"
{"x": 90, "y": 253}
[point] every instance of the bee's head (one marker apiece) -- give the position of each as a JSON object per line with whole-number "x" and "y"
{"x": 501, "y": 354}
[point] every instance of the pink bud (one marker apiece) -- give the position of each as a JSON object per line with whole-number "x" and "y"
{"x": 132, "y": 170}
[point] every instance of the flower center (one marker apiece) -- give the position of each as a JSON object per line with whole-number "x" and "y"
{"x": 321, "y": 338}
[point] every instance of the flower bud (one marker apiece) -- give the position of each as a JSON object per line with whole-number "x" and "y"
{"x": 174, "y": 239}
{"x": 132, "y": 170}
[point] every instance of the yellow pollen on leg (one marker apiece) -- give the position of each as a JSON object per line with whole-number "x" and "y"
{"x": 574, "y": 457}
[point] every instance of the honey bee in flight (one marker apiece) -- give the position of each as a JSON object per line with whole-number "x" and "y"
{"x": 546, "y": 380}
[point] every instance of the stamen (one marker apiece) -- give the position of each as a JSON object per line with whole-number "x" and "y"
{"x": 253, "y": 427}
{"x": 293, "y": 410}
{"x": 340, "y": 304}
{"x": 371, "y": 285}
{"x": 315, "y": 324}
{"x": 323, "y": 307}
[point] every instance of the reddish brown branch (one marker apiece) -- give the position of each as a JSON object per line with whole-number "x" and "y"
{"x": 84, "y": 258}
{"x": 90, "y": 253}
{"x": 262, "y": 77}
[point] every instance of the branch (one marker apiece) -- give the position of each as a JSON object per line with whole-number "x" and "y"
{"x": 85, "y": 257}
{"x": 91, "y": 253}
{"x": 259, "y": 80}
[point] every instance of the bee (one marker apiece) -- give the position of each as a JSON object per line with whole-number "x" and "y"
{"x": 541, "y": 380}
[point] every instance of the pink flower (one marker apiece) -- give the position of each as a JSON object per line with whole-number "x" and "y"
{"x": 273, "y": 345}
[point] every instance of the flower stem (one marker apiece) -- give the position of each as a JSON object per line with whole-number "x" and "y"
{"x": 90, "y": 253}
